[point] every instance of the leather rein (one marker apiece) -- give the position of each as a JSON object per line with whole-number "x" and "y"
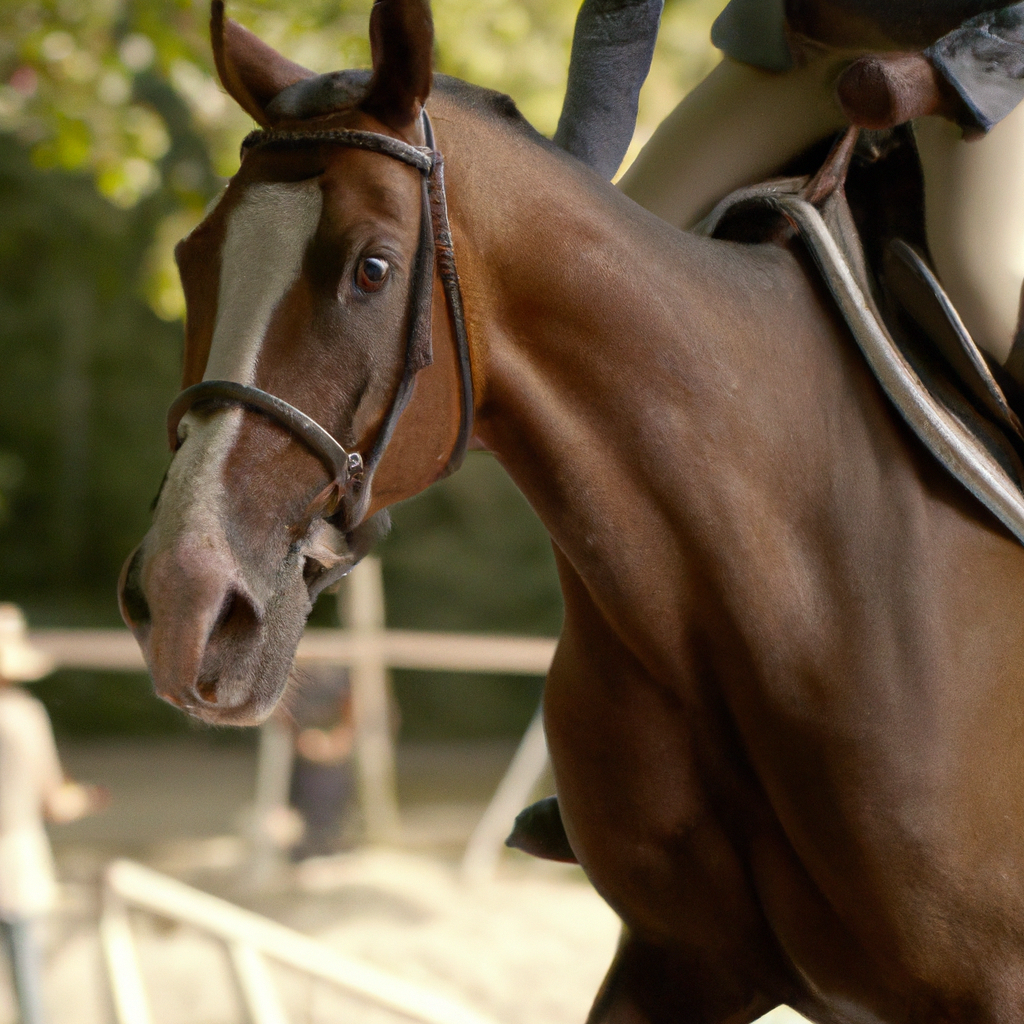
{"x": 352, "y": 472}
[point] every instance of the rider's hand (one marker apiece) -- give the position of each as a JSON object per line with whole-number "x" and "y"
{"x": 325, "y": 746}
{"x": 888, "y": 89}
{"x": 73, "y": 800}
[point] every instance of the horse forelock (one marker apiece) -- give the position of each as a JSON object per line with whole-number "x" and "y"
{"x": 337, "y": 92}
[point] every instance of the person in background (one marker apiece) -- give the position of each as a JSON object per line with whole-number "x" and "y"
{"x": 32, "y": 787}
{"x": 322, "y": 779}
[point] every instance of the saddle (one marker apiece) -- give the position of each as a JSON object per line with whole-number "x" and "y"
{"x": 958, "y": 403}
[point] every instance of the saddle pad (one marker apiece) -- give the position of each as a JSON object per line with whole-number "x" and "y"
{"x": 967, "y": 444}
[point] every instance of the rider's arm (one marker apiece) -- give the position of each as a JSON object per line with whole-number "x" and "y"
{"x": 611, "y": 55}
{"x": 983, "y": 60}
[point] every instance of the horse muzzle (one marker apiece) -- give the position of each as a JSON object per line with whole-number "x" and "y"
{"x": 204, "y": 634}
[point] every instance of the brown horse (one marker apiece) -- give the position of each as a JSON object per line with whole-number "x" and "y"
{"x": 786, "y": 713}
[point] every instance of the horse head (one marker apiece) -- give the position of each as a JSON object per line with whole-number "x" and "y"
{"x": 309, "y": 291}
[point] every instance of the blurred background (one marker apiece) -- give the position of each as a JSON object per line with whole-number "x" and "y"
{"x": 114, "y": 135}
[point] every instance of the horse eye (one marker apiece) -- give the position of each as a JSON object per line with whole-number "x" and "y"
{"x": 372, "y": 273}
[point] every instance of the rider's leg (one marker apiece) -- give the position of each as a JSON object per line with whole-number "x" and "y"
{"x": 739, "y": 126}
{"x": 974, "y": 214}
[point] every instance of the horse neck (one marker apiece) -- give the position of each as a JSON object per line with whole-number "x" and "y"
{"x": 674, "y": 408}
{"x": 595, "y": 328}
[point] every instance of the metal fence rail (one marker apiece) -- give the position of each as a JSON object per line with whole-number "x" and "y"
{"x": 250, "y": 940}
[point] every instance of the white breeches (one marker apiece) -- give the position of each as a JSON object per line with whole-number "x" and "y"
{"x": 974, "y": 220}
{"x": 742, "y": 124}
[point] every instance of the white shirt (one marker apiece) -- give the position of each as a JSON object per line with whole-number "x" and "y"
{"x": 30, "y": 775}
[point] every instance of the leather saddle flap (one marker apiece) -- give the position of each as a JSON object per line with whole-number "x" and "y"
{"x": 915, "y": 288}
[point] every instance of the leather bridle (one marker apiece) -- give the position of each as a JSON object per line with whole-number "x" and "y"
{"x": 352, "y": 472}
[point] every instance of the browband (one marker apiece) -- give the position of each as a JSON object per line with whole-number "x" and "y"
{"x": 420, "y": 157}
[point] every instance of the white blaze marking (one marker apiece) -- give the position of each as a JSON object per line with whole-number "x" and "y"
{"x": 267, "y": 236}
{"x": 261, "y": 258}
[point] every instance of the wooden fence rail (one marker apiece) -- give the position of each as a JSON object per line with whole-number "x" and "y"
{"x": 251, "y": 940}
{"x": 115, "y": 650}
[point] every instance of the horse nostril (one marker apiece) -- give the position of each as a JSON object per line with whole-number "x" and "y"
{"x": 134, "y": 606}
{"x": 207, "y": 690}
{"x": 237, "y": 622}
{"x": 237, "y": 617}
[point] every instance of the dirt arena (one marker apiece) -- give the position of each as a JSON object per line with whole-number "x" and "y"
{"x": 529, "y": 947}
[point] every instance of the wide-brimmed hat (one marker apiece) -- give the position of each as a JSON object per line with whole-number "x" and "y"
{"x": 20, "y": 662}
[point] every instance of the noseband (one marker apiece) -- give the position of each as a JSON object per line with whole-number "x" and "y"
{"x": 352, "y": 472}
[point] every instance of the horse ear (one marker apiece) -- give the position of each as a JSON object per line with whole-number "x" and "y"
{"x": 251, "y": 72}
{"x": 401, "y": 44}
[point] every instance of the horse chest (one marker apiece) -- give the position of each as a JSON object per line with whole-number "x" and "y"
{"x": 641, "y": 767}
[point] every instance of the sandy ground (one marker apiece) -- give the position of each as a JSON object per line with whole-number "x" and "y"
{"x": 529, "y": 947}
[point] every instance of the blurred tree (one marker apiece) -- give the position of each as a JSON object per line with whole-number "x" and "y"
{"x": 11, "y": 470}
{"x": 82, "y": 81}
{"x": 114, "y": 135}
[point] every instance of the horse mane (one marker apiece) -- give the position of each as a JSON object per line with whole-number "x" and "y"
{"x": 342, "y": 92}
{"x": 497, "y": 107}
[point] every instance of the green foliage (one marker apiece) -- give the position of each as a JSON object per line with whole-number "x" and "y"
{"x": 75, "y": 70}
{"x": 80, "y": 85}
{"x": 87, "y": 369}
{"x": 11, "y": 472}
{"x": 114, "y": 135}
